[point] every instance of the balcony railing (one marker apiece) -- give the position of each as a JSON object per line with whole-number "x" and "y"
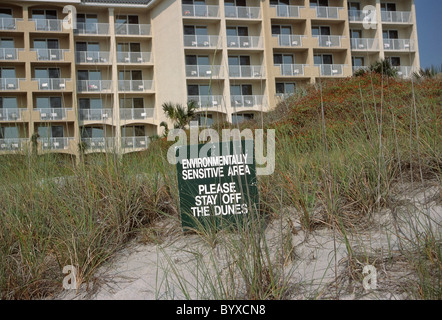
{"x": 357, "y": 68}
{"x": 404, "y": 71}
{"x": 203, "y": 71}
{"x": 92, "y": 57}
{"x": 48, "y": 24}
{"x": 396, "y": 16}
{"x": 357, "y": 15}
{"x": 134, "y": 57}
{"x": 246, "y": 71}
{"x": 242, "y": 12}
{"x": 11, "y": 114}
{"x": 92, "y": 28}
{"x": 252, "y": 42}
{"x": 329, "y": 41}
{"x": 136, "y": 113}
{"x": 365, "y": 44}
{"x": 291, "y": 69}
{"x": 10, "y": 83}
{"x": 201, "y": 41}
{"x": 94, "y": 114}
{"x": 55, "y": 143}
{"x": 51, "y": 83}
{"x": 50, "y": 54}
{"x": 135, "y": 85}
{"x": 239, "y": 101}
{"x": 206, "y": 101}
{"x": 8, "y": 23}
{"x": 328, "y": 12}
{"x": 94, "y": 85}
{"x": 132, "y": 29}
{"x": 9, "y": 53}
{"x": 134, "y": 142}
{"x": 289, "y": 40}
{"x": 190, "y": 10}
{"x": 331, "y": 69}
{"x": 99, "y": 143}
{"x": 53, "y": 113}
{"x": 288, "y": 11}
{"x": 13, "y": 144}
{"x": 398, "y": 45}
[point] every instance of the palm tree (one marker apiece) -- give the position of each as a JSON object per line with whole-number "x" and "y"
{"x": 180, "y": 115}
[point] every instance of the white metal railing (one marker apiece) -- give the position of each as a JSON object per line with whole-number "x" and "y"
{"x": 365, "y": 44}
{"x": 51, "y": 83}
{"x": 289, "y": 40}
{"x": 201, "y": 41}
{"x": 242, "y": 12}
{"x": 135, "y": 142}
{"x": 53, "y": 113}
{"x": 291, "y": 69}
{"x": 396, "y": 16}
{"x": 404, "y": 71}
{"x": 257, "y": 71}
{"x": 246, "y": 101}
{"x": 135, "y": 85}
{"x": 9, "y": 53}
{"x": 9, "y": 23}
{"x": 203, "y": 71}
{"x": 331, "y": 69}
{"x": 328, "y": 12}
{"x": 132, "y": 29}
{"x": 48, "y": 24}
{"x": 10, "y": 83}
{"x": 197, "y": 10}
{"x": 204, "y": 101}
{"x": 98, "y": 143}
{"x": 244, "y": 42}
{"x": 95, "y": 114}
{"x": 55, "y": 143}
{"x": 92, "y": 57}
{"x": 134, "y": 57}
{"x": 136, "y": 113}
{"x": 11, "y": 114}
{"x": 92, "y": 28}
{"x": 357, "y": 15}
{"x": 94, "y": 85}
{"x": 398, "y": 44}
{"x": 13, "y": 144}
{"x": 357, "y": 68}
{"x": 288, "y": 11}
{"x": 329, "y": 41}
{"x": 50, "y": 54}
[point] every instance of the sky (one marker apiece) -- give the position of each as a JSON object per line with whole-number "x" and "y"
{"x": 429, "y": 29}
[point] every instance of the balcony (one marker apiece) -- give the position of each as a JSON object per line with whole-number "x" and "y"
{"x": 11, "y": 114}
{"x": 48, "y": 24}
{"x": 200, "y": 11}
{"x": 364, "y": 44}
{"x": 206, "y": 101}
{"x": 47, "y": 114}
{"x": 357, "y": 68}
{"x": 240, "y": 101}
{"x": 242, "y": 12}
{"x": 328, "y": 12}
{"x": 288, "y": 11}
{"x": 244, "y": 42}
{"x": 247, "y": 72}
{"x": 289, "y": 40}
{"x": 95, "y": 114}
{"x": 404, "y": 71}
{"x": 201, "y": 41}
{"x": 9, "y": 54}
{"x": 51, "y": 84}
{"x": 134, "y": 57}
{"x": 357, "y": 15}
{"x": 329, "y": 41}
{"x": 13, "y": 144}
{"x": 396, "y": 17}
{"x": 203, "y": 71}
{"x": 398, "y": 45}
{"x": 136, "y": 113}
{"x": 92, "y": 57}
{"x": 94, "y": 86}
{"x": 132, "y": 29}
{"x": 9, "y": 24}
{"x": 92, "y": 29}
{"x": 135, "y": 85}
{"x": 291, "y": 69}
{"x": 10, "y": 83}
{"x": 135, "y": 142}
{"x": 55, "y": 143}
{"x": 99, "y": 143}
{"x": 50, "y": 54}
{"x": 332, "y": 70}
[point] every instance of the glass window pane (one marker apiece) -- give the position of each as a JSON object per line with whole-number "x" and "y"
{"x": 246, "y": 89}
{"x": 192, "y": 90}
{"x": 55, "y": 102}
{"x": 95, "y": 103}
{"x": 138, "y": 103}
{"x": 203, "y": 61}
{"x": 235, "y": 90}
{"x": 57, "y": 132}
{"x": 233, "y": 61}
{"x": 84, "y": 103}
{"x": 9, "y": 102}
{"x": 191, "y": 60}
{"x": 42, "y": 102}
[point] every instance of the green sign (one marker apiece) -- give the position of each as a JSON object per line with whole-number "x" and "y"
{"x": 217, "y": 184}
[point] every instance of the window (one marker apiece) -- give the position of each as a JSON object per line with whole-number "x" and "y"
{"x": 130, "y": 75}
{"x": 129, "y": 47}
{"x": 87, "y": 23}
{"x": 355, "y": 34}
{"x": 51, "y": 131}
{"x": 133, "y": 131}
{"x": 90, "y": 103}
{"x": 126, "y": 19}
{"x": 9, "y": 133}
{"x": 240, "y": 117}
{"x": 132, "y": 103}
{"x": 87, "y": 46}
{"x": 390, "y": 34}
{"x": 320, "y": 31}
{"x": 204, "y": 120}
{"x": 279, "y": 3}
{"x": 318, "y": 3}
{"x": 323, "y": 59}
{"x": 89, "y": 75}
{"x": 241, "y": 90}
{"x": 237, "y": 31}
{"x": 193, "y": 60}
{"x": 394, "y": 61}
{"x": 281, "y": 30}
{"x": 5, "y": 13}
{"x": 92, "y": 132}
{"x": 7, "y": 73}
{"x": 47, "y": 73}
{"x": 285, "y": 87}
{"x": 199, "y": 90}
{"x": 8, "y": 102}
{"x": 388, "y": 6}
{"x": 6, "y": 43}
{"x": 354, "y": 6}
{"x": 237, "y": 3}
{"x": 41, "y": 14}
{"x": 279, "y": 58}
{"x": 48, "y": 102}
{"x": 357, "y": 61}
